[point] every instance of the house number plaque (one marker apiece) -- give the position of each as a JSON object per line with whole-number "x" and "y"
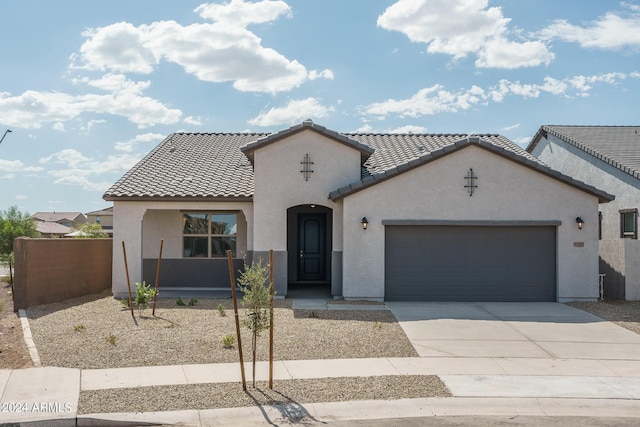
{"x": 306, "y": 167}
{"x": 471, "y": 182}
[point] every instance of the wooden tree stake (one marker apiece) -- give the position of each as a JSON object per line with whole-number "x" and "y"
{"x": 271, "y": 292}
{"x": 126, "y": 268}
{"x": 232, "y": 279}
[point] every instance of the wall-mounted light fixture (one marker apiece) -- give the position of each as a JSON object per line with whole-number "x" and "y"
{"x": 580, "y": 223}
{"x": 365, "y": 223}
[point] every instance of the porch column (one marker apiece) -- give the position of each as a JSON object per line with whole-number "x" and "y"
{"x": 127, "y": 227}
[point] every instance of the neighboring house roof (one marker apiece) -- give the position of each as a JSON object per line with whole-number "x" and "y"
{"x": 102, "y": 212}
{"x": 188, "y": 165}
{"x": 618, "y": 146}
{"x": 56, "y": 216}
{"x": 46, "y": 227}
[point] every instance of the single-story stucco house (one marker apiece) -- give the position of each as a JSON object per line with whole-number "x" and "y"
{"x": 441, "y": 217}
{"x": 609, "y": 157}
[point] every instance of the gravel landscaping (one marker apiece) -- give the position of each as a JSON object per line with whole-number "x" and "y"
{"x": 98, "y": 332}
{"x": 622, "y": 313}
{"x": 230, "y": 395}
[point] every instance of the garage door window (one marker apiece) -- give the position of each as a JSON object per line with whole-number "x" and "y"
{"x": 629, "y": 224}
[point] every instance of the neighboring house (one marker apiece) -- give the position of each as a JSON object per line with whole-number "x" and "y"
{"x": 373, "y": 216}
{"x": 57, "y": 224}
{"x": 52, "y": 229}
{"x": 104, "y": 217}
{"x": 608, "y": 157}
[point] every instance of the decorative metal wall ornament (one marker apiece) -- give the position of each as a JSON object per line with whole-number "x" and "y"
{"x": 306, "y": 167}
{"x": 471, "y": 183}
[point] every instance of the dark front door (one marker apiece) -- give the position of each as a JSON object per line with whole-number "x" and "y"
{"x": 312, "y": 247}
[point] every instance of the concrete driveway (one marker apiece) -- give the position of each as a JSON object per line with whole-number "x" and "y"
{"x": 512, "y": 330}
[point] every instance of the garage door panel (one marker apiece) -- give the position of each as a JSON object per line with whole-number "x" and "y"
{"x": 464, "y": 263}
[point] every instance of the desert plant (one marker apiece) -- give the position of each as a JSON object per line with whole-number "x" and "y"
{"x": 144, "y": 295}
{"x": 228, "y": 341}
{"x": 312, "y": 315}
{"x": 1, "y": 306}
{"x": 79, "y": 328}
{"x": 180, "y": 302}
{"x": 124, "y": 302}
{"x": 221, "y": 310}
{"x": 111, "y": 339}
{"x": 377, "y": 325}
{"x": 193, "y": 302}
{"x": 256, "y": 301}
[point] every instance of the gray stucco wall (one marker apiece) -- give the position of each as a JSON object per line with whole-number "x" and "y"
{"x": 622, "y": 280}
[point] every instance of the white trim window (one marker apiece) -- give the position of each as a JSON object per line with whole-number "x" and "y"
{"x": 209, "y": 235}
{"x": 629, "y": 223}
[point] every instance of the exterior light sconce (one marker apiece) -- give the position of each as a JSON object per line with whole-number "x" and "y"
{"x": 365, "y": 223}
{"x": 580, "y": 223}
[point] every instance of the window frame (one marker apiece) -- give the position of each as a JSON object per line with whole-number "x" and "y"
{"x": 629, "y": 234}
{"x": 210, "y": 235}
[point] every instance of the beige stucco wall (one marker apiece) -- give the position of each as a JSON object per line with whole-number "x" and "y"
{"x": 141, "y": 225}
{"x": 506, "y": 191}
{"x": 279, "y": 184}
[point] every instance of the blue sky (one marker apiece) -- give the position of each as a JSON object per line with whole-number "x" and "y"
{"x": 88, "y": 88}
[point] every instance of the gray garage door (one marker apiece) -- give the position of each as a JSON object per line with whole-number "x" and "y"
{"x": 470, "y": 263}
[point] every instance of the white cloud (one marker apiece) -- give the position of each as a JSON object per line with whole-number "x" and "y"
{"x": 21, "y": 197}
{"x": 436, "y": 99}
{"x": 221, "y": 51}
{"x": 462, "y": 27}
{"x": 129, "y": 145}
{"x": 409, "y": 129}
{"x": 59, "y": 126}
{"x": 614, "y": 30}
{"x": 197, "y": 121}
{"x": 512, "y": 127}
{"x": 10, "y": 165}
{"x": 324, "y": 74}
{"x": 31, "y": 109}
{"x": 74, "y": 168}
{"x": 241, "y": 13}
{"x": 295, "y": 111}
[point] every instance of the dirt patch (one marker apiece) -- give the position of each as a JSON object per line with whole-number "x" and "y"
{"x": 13, "y": 350}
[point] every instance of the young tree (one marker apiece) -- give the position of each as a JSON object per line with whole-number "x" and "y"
{"x": 256, "y": 300}
{"x": 90, "y": 231}
{"x": 13, "y": 224}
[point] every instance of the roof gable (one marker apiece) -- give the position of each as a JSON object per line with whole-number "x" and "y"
{"x": 618, "y": 146}
{"x": 249, "y": 149}
{"x": 512, "y": 155}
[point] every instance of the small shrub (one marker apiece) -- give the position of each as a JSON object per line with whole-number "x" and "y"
{"x": 111, "y": 339}
{"x": 313, "y": 315}
{"x": 221, "y": 310}
{"x": 1, "y": 306}
{"x": 228, "y": 341}
{"x": 124, "y": 302}
{"x": 79, "y": 328}
{"x": 180, "y": 302}
{"x": 144, "y": 295}
{"x": 193, "y": 302}
{"x": 377, "y": 325}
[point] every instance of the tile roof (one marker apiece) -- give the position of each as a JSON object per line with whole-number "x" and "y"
{"x": 47, "y": 227}
{"x": 212, "y": 165}
{"x": 56, "y": 216}
{"x": 104, "y": 212}
{"x": 618, "y": 146}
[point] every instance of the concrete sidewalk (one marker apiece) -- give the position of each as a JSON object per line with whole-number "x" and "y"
{"x": 497, "y": 359}
{"x": 480, "y": 386}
